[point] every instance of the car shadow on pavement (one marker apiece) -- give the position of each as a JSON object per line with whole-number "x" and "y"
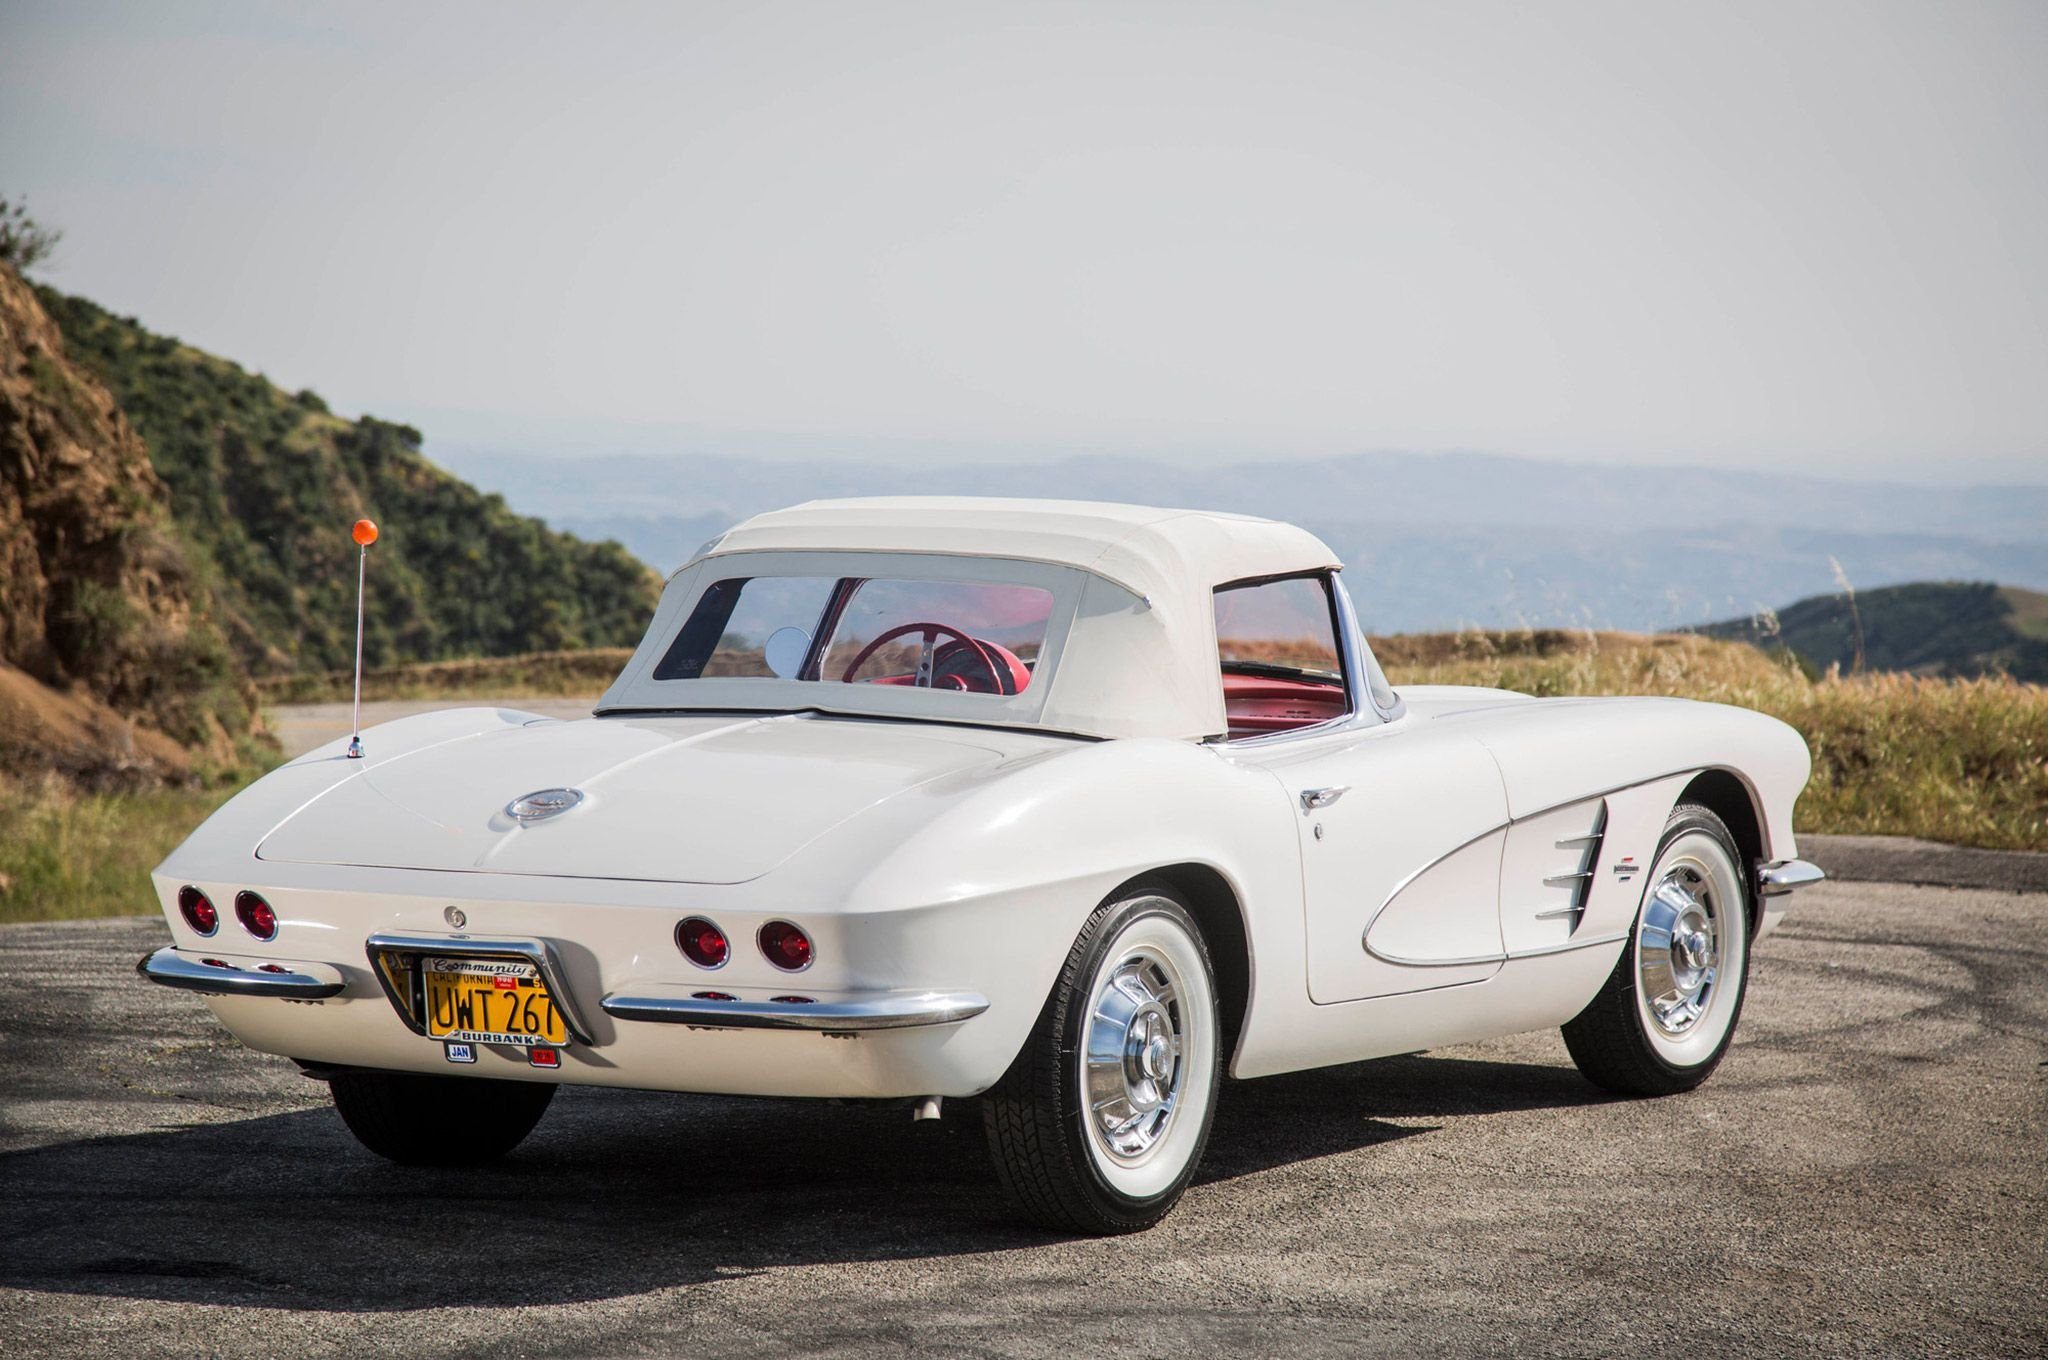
{"x": 618, "y": 1192}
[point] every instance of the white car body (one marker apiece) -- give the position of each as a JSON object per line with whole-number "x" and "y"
{"x": 1435, "y": 866}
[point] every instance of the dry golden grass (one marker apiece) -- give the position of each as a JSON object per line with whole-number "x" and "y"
{"x": 1962, "y": 761}
{"x": 536, "y": 675}
{"x": 68, "y": 853}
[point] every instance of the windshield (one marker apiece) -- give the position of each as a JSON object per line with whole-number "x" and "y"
{"x": 970, "y": 637}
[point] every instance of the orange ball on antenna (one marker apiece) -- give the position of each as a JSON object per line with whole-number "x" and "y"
{"x": 365, "y": 532}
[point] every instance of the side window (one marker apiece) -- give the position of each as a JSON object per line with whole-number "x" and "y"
{"x": 1277, "y": 651}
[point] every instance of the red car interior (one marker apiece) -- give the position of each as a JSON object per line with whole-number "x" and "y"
{"x": 1256, "y": 704}
{"x": 964, "y": 662}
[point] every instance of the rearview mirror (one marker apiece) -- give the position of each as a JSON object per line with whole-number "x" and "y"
{"x": 786, "y": 650}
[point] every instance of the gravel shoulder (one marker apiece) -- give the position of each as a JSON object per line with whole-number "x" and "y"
{"x": 1867, "y": 1174}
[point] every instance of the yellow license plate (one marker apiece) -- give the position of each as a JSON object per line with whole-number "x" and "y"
{"x": 490, "y": 1001}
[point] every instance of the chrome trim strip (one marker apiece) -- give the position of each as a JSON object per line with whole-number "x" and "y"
{"x": 880, "y": 1011}
{"x": 525, "y": 948}
{"x": 1565, "y": 948}
{"x": 1580, "y": 896}
{"x": 1568, "y": 946}
{"x": 1785, "y": 875}
{"x": 1434, "y": 963}
{"x": 174, "y": 968}
{"x": 1354, "y": 646}
{"x": 1347, "y": 649}
{"x": 1327, "y": 727}
{"x": 1365, "y": 935}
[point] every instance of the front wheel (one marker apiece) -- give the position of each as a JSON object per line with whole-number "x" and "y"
{"x": 438, "y": 1121}
{"x": 1100, "y": 1123}
{"x": 1667, "y": 1013}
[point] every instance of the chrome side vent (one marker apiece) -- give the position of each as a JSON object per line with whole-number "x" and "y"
{"x": 1579, "y": 880}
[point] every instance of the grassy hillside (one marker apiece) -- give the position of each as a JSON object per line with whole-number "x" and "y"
{"x": 1947, "y": 628}
{"x": 263, "y": 485}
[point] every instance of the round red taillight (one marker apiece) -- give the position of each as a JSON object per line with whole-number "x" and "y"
{"x": 197, "y": 909}
{"x": 786, "y": 947}
{"x": 702, "y": 943}
{"x": 713, "y": 996}
{"x": 255, "y": 915}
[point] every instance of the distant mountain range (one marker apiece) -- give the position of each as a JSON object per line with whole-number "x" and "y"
{"x": 1432, "y": 540}
{"x": 1948, "y": 628}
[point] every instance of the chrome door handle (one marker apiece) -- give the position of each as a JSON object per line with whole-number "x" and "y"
{"x": 1311, "y": 799}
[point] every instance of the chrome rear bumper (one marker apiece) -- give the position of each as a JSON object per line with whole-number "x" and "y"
{"x": 217, "y": 976}
{"x": 838, "y": 1015}
{"x": 1785, "y": 875}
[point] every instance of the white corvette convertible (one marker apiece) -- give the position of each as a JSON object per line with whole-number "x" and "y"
{"x": 1071, "y": 807}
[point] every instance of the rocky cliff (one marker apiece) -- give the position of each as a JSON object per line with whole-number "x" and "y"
{"x": 98, "y": 600}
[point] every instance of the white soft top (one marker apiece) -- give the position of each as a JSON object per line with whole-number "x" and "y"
{"x": 1133, "y": 585}
{"x": 1148, "y": 551}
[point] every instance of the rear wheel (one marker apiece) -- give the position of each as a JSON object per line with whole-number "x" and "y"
{"x": 1100, "y": 1123}
{"x": 438, "y": 1121}
{"x": 1667, "y": 1014}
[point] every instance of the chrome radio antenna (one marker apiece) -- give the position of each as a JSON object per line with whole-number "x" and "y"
{"x": 364, "y": 533}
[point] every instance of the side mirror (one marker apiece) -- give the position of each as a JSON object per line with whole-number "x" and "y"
{"x": 786, "y": 650}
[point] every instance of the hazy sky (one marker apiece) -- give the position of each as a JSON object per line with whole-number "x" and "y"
{"x": 1804, "y": 236}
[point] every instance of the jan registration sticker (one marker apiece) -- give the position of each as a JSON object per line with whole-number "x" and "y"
{"x": 460, "y": 1053}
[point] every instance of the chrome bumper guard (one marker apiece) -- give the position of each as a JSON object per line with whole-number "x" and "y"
{"x": 215, "y": 976}
{"x": 845, "y": 1013}
{"x": 1786, "y": 875}
{"x": 393, "y": 958}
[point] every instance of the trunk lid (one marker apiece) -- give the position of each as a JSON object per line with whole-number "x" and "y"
{"x": 684, "y": 800}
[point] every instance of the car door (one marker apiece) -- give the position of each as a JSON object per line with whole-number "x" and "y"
{"x": 1401, "y": 830}
{"x": 1400, "y": 822}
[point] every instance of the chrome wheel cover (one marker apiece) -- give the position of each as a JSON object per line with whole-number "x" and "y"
{"x": 1678, "y": 955}
{"x": 1132, "y": 1061}
{"x": 1691, "y": 948}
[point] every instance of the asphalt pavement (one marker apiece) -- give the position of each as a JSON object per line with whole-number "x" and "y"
{"x": 1866, "y": 1175}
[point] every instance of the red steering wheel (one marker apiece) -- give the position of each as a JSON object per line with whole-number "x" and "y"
{"x": 1005, "y": 673}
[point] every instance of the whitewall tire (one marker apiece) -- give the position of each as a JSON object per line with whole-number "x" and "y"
{"x": 1667, "y": 1013}
{"x": 1101, "y": 1122}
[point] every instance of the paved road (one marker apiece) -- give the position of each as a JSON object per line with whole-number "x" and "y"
{"x": 1902, "y": 859}
{"x": 1868, "y": 1174}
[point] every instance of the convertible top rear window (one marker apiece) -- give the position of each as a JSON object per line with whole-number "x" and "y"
{"x": 972, "y": 637}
